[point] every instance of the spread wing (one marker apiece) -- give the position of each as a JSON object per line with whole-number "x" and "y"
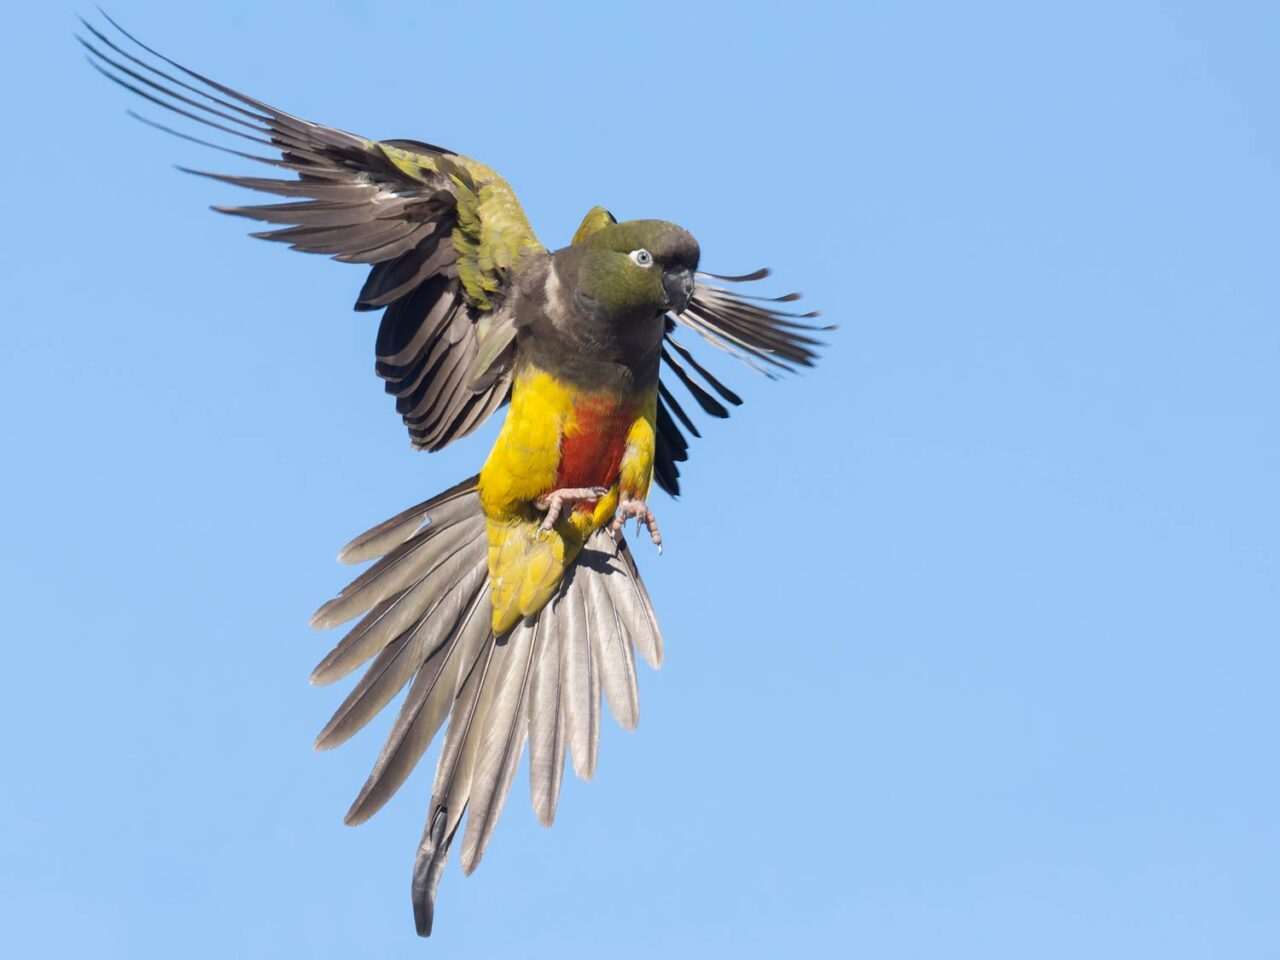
{"x": 754, "y": 329}
{"x": 443, "y": 234}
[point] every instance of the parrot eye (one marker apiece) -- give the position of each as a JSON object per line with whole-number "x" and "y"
{"x": 641, "y": 258}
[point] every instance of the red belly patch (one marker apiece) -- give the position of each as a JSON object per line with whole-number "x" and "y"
{"x": 594, "y": 442}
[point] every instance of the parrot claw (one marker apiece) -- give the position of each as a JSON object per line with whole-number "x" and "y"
{"x": 628, "y": 508}
{"x": 555, "y": 502}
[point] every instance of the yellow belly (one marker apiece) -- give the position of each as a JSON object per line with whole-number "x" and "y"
{"x": 555, "y": 435}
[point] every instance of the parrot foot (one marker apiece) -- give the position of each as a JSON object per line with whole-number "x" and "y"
{"x": 628, "y": 508}
{"x": 555, "y": 502}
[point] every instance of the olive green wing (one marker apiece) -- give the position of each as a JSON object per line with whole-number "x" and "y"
{"x": 443, "y": 234}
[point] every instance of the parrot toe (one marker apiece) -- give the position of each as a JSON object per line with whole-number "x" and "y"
{"x": 555, "y": 501}
{"x": 628, "y": 508}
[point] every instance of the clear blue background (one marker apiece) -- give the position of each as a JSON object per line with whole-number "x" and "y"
{"x": 972, "y": 631}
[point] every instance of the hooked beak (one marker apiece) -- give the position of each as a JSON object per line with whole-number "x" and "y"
{"x": 679, "y": 287}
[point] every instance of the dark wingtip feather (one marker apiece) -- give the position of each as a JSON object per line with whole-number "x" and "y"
{"x": 706, "y": 374}
{"x": 750, "y": 327}
{"x": 709, "y": 404}
{"x": 740, "y": 278}
{"x": 204, "y": 143}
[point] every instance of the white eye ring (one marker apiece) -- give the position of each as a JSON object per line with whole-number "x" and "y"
{"x": 641, "y": 258}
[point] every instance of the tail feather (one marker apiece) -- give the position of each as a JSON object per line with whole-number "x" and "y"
{"x": 431, "y": 574}
{"x": 424, "y": 709}
{"x": 397, "y": 570}
{"x": 452, "y": 784}
{"x": 611, "y": 650}
{"x": 546, "y": 718}
{"x": 631, "y": 602}
{"x": 461, "y": 749}
{"x": 579, "y": 683}
{"x": 375, "y": 630}
{"x": 429, "y": 620}
{"x": 400, "y": 660}
{"x": 447, "y": 507}
{"x": 503, "y": 741}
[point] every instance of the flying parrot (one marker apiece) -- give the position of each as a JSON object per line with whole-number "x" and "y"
{"x": 510, "y": 601}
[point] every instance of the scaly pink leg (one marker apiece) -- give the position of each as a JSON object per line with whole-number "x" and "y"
{"x": 555, "y": 501}
{"x": 628, "y": 508}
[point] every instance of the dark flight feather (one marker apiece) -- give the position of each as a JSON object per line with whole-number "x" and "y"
{"x": 350, "y": 202}
{"x": 750, "y": 328}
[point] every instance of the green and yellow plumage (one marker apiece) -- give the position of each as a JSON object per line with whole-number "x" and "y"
{"x": 492, "y": 232}
{"x": 498, "y": 619}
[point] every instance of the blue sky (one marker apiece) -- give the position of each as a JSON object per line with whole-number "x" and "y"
{"x": 971, "y": 631}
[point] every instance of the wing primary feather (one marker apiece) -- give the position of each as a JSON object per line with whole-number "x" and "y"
{"x": 785, "y": 298}
{"x": 292, "y": 136}
{"x": 147, "y": 81}
{"x": 363, "y": 236}
{"x": 740, "y": 278}
{"x": 273, "y": 113}
{"x": 767, "y": 323}
{"x": 775, "y": 329}
{"x": 176, "y": 109}
{"x": 310, "y": 188}
{"x": 723, "y": 293}
{"x": 160, "y": 73}
{"x": 311, "y": 213}
{"x": 670, "y": 447}
{"x": 730, "y": 343}
{"x": 270, "y": 161}
{"x": 764, "y": 344}
{"x": 705, "y": 400}
{"x": 678, "y": 410}
{"x": 703, "y": 372}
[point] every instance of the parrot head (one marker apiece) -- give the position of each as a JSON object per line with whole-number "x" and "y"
{"x": 630, "y": 272}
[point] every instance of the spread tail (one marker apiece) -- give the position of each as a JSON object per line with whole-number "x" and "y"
{"x": 428, "y": 618}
